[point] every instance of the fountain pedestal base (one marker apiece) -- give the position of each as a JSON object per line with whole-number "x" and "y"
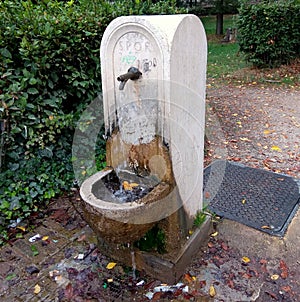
{"x": 169, "y": 267}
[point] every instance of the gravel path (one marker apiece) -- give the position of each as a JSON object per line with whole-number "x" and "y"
{"x": 259, "y": 126}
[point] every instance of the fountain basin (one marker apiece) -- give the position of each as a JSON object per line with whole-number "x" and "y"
{"x": 124, "y": 222}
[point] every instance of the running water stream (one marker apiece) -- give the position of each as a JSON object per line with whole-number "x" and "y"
{"x": 132, "y": 261}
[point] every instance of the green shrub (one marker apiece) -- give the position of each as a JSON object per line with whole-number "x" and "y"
{"x": 49, "y": 72}
{"x": 268, "y": 32}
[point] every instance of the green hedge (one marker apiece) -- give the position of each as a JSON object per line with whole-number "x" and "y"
{"x": 49, "y": 72}
{"x": 268, "y": 32}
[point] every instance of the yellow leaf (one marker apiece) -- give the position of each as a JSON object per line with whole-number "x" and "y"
{"x": 21, "y": 228}
{"x": 275, "y": 148}
{"x": 235, "y": 114}
{"x": 212, "y": 291}
{"x": 245, "y": 139}
{"x": 110, "y": 280}
{"x": 267, "y": 132}
{"x": 265, "y": 227}
{"x": 37, "y": 289}
{"x": 246, "y": 259}
{"x": 274, "y": 277}
{"x": 214, "y": 234}
{"x": 243, "y": 201}
{"x": 126, "y": 186}
{"x": 45, "y": 238}
{"x": 239, "y": 122}
{"x": 111, "y": 265}
{"x": 129, "y": 186}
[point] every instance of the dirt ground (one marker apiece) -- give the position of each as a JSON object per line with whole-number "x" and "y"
{"x": 258, "y": 126}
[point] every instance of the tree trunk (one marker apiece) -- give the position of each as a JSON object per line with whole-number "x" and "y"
{"x": 219, "y": 27}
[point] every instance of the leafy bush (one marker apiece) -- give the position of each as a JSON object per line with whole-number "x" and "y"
{"x": 269, "y": 32}
{"x": 49, "y": 72}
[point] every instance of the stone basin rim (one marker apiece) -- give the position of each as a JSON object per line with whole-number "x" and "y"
{"x": 87, "y": 195}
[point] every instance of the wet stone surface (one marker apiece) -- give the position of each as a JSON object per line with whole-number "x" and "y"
{"x": 125, "y": 187}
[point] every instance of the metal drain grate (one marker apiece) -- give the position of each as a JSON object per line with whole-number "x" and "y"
{"x": 260, "y": 199}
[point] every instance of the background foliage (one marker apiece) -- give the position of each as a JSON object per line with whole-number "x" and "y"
{"x": 269, "y": 32}
{"x": 49, "y": 72}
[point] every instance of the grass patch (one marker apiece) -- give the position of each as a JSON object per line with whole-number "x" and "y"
{"x": 225, "y": 64}
{"x": 209, "y": 23}
{"x": 223, "y": 58}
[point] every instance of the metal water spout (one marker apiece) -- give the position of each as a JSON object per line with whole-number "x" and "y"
{"x": 132, "y": 73}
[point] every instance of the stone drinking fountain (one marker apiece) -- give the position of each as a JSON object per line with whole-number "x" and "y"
{"x": 153, "y": 80}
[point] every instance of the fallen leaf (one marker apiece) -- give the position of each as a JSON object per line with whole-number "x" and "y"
{"x": 81, "y": 238}
{"x": 284, "y": 270}
{"x": 275, "y": 148}
{"x": 212, "y": 291}
{"x": 265, "y": 227}
{"x": 210, "y": 244}
{"x": 274, "y": 277}
{"x": 129, "y": 186}
{"x": 243, "y": 201}
{"x": 188, "y": 278}
{"x": 21, "y": 228}
{"x": 224, "y": 246}
{"x": 230, "y": 283}
{"x": 245, "y": 139}
{"x": 69, "y": 292}
{"x": 263, "y": 261}
{"x": 246, "y": 276}
{"x": 245, "y": 259}
{"x": 236, "y": 159}
{"x": 45, "y": 238}
{"x": 37, "y": 289}
{"x": 111, "y": 265}
{"x": 60, "y": 215}
{"x": 202, "y": 283}
{"x": 214, "y": 234}
{"x": 286, "y": 288}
